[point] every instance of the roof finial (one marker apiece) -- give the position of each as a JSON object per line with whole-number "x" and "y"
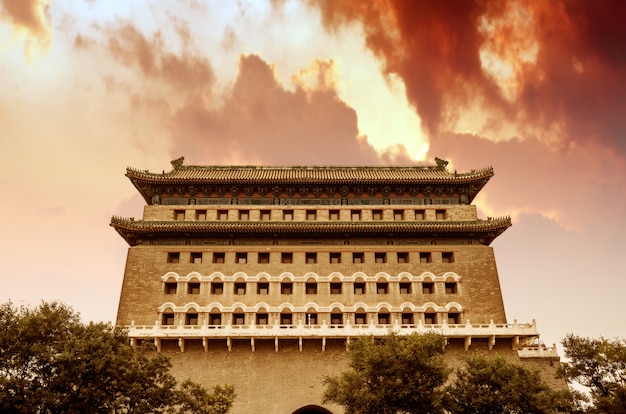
{"x": 441, "y": 164}
{"x": 178, "y": 162}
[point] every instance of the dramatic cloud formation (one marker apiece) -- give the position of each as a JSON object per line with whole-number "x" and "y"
{"x": 28, "y": 18}
{"x": 557, "y": 69}
{"x": 256, "y": 120}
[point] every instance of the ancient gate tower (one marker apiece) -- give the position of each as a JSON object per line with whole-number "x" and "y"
{"x": 258, "y": 276}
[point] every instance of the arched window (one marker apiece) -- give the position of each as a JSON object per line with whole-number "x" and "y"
{"x": 384, "y": 318}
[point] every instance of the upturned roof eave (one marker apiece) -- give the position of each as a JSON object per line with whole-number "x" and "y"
{"x": 490, "y": 228}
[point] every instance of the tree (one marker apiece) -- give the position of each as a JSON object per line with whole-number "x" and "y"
{"x": 491, "y": 385}
{"x": 51, "y": 363}
{"x": 599, "y": 365}
{"x": 391, "y": 375}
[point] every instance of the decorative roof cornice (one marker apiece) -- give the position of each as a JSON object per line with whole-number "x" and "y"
{"x": 132, "y": 229}
{"x": 194, "y": 174}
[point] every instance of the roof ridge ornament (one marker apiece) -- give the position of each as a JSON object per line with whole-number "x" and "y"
{"x": 441, "y": 164}
{"x": 177, "y": 163}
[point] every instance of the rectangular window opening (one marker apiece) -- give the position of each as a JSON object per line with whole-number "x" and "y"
{"x": 264, "y": 258}
{"x": 263, "y": 288}
{"x": 403, "y": 257}
{"x": 335, "y": 258}
{"x": 398, "y": 215}
{"x": 218, "y": 257}
{"x": 262, "y": 319}
{"x": 201, "y": 215}
{"x": 311, "y": 258}
{"x": 420, "y": 215}
{"x": 311, "y": 288}
{"x": 170, "y": 288}
{"x": 239, "y": 318}
{"x": 359, "y": 288}
{"x": 288, "y": 215}
{"x": 266, "y": 215}
{"x": 440, "y": 214}
{"x": 286, "y": 257}
{"x": 168, "y": 319}
{"x": 358, "y": 257}
{"x": 217, "y": 288}
{"x": 311, "y": 215}
{"x": 173, "y": 257}
{"x": 447, "y": 257}
{"x": 360, "y": 318}
{"x": 286, "y": 318}
{"x": 196, "y": 257}
{"x": 407, "y": 319}
{"x": 335, "y": 288}
{"x": 428, "y": 288}
{"x": 425, "y": 257}
{"x": 193, "y": 288}
{"x": 240, "y": 288}
{"x": 405, "y": 288}
{"x": 384, "y": 318}
{"x": 241, "y": 258}
{"x": 215, "y": 319}
{"x": 451, "y": 288}
{"x": 355, "y": 215}
{"x": 286, "y": 288}
{"x": 336, "y": 318}
{"x": 191, "y": 319}
{"x": 377, "y": 214}
{"x": 382, "y": 288}
{"x": 222, "y": 215}
{"x": 244, "y": 215}
{"x": 380, "y": 257}
{"x": 333, "y": 215}
{"x": 430, "y": 318}
{"x": 179, "y": 215}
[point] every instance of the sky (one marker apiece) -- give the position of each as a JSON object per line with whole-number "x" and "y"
{"x": 534, "y": 88}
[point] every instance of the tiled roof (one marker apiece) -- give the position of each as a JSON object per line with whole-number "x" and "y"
{"x": 125, "y": 226}
{"x": 306, "y": 174}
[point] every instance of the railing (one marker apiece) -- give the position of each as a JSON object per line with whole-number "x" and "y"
{"x": 538, "y": 351}
{"x": 325, "y": 330}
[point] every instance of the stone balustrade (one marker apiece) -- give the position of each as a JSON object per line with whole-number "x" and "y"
{"x": 324, "y": 330}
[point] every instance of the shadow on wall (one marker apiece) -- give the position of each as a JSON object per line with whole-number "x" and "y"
{"x": 312, "y": 409}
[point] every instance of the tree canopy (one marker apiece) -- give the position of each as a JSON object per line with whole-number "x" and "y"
{"x": 50, "y": 362}
{"x": 391, "y": 375}
{"x": 407, "y": 374}
{"x": 492, "y": 385}
{"x": 599, "y": 365}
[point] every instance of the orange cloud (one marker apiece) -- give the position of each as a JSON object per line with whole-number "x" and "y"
{"x": 29, "y": 18}
{"x": 556, "y": 70}
{"x": 262, "y": 122}
{"x": 254, "y": 120}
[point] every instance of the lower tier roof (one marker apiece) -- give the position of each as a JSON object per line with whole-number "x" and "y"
{"x": 135, "y": 230}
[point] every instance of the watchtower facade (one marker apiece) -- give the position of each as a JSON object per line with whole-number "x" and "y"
{"x": 259, "y": 276}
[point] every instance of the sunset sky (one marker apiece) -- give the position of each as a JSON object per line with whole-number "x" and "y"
{"x": 534, "y": 88}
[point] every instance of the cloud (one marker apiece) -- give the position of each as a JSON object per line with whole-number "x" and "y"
{"x": 554, "y": 70}
{"x": 255, "y": 119}
{"x": 29, "y": 18}
{"x": 572, "y": 188}
{"x": 263, "y": 122}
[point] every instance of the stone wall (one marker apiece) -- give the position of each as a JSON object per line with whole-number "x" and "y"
{"x": 280, "y": 382}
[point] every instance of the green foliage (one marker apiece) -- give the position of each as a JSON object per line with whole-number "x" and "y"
{"x": 52, "y": 363}
{"x": 391, "y": 375}
{"x": 491, "y": 385}
{"x": 600, "y": 365}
